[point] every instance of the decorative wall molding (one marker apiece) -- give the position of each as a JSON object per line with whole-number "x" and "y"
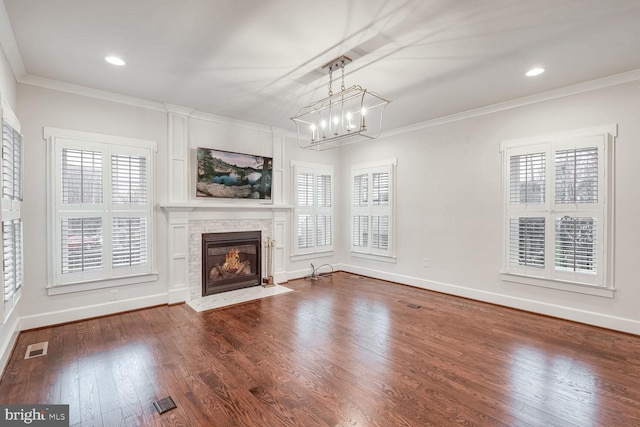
{"x": 178, "y": 157}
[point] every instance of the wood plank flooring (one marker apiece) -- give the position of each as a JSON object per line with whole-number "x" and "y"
{"x": 343, "y": 351}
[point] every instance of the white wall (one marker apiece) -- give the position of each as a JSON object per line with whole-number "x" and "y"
{"x": 449, "y": 208}
{"x": 7, "y": 81}
{"x": 38, "y": 107}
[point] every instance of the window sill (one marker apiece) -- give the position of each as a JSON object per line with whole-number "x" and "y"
{"x": 383, "y": 258}
{"x": 100, "y": 284}
{"x": 311, "y": 255}
{"x": 559, "y": 285}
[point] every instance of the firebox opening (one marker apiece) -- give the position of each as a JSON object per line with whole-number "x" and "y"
{"x": 230, "y": 261}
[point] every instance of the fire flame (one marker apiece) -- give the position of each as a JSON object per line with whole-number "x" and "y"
{"x": 232, "y": 260}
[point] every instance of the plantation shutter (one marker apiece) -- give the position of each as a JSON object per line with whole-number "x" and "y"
{"x": 576, "y": 243}
{"x": 11, "y": 174}
{"x": 577, "y": 175}
{"x": 304, "y": 201}
{"x": 81, "y": 244}
{"x": 129, "y": 234}
{"x": 305, "y": 231}
{"x": 324, "y": 218}
{"x": 361, "y": 231}
{"x": 128, "y": 179}
{"x": 305, "y": 189}
{"x": 12, "y": 257}
{"x": 11, "y": 162}
{"x": 371, "y": 209}
{"x": 313, "y": 209}
{"x": 527, "y": 181}
{"x": 129, "y": 242}
{"x": 360, "y": 190}
{"x": 81, "y": 177}
{"x": 380, "y": 193}
{"x": 527, "y": 187}
{"x": 526, "y": 243}
{"x": 380, "y": 221}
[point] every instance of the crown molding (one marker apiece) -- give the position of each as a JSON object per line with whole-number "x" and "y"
{"x": 604, "y": 82}
{"x": 178, "y": 109}
{"x": 229, "y": 121}
{"x": 143, "y": 103}
{"x": 601, "y": 83}
{"x": 90, "y": 92}
{"x": 9, "y": 45}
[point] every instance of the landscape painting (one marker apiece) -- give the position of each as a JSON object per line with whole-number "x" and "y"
{"x": 228, "y": 175}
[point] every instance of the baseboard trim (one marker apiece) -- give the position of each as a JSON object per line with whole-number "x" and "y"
{"x": 96, "y": 310}
{"x": 178, "y": 295}
{"x": 8, "y": 343}
{"x": 563, "y": 312}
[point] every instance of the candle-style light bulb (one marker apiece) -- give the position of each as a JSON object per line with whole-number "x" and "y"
{"x": 313, "y": 132}
{"x": 323, "y": 125}
{"x": 363, "y": 125}
{"x": 336, "y": 120}
{"x": 349, "y": 125}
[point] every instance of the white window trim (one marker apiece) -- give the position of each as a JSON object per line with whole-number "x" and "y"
{"x": 54, "y": 287}
{"x": 388, "y": 255}
{"x": 10, "y": 210}
{"x": 606, "y": 191}
{"x": 299, "y": 254}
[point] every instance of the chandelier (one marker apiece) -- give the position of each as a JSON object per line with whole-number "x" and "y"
{"x": 352, "y": 115}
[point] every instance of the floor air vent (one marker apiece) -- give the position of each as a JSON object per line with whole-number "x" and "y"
{"x": 36, "y": 350}
{"x": 164, "y": 405}
{"x": 409, "y": 304}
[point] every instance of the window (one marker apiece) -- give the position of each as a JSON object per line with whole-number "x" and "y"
{"x": 313, "y": 208}
{"x": 102, "y": 210}
{"x": 11, "y": 222}
{"x": 557, "y": 219}
{"x": 372, "y": 210}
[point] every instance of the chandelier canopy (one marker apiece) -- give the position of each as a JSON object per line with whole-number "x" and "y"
{"x": 352, "y": 115}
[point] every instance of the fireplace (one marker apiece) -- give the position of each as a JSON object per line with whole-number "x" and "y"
{"x": 230, "y": 261}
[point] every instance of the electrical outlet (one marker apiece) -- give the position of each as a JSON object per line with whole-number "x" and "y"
{"x": 425, "y": 262}
{"x": 114, "y": 294}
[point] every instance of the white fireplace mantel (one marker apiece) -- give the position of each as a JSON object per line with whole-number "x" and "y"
{"x": 224, "y": 206}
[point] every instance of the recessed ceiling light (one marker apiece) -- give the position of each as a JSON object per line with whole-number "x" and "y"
{"x": 114, "y": 60}
{"x": 535, "y": 71}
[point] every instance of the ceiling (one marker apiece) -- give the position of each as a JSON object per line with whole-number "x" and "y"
{"x": 261, "y": 60}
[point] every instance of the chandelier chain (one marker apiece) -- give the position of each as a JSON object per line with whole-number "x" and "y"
{"x": 330, "y": 81}
{"x": 342, "y": 69}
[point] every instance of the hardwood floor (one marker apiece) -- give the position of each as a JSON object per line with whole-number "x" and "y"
{"x": 344, "y": 351}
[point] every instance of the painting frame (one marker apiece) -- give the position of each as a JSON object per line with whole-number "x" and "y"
{"x": 225, "y": 174}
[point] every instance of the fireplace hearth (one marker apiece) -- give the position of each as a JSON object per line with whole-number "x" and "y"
{"x": 230, "y": 261}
